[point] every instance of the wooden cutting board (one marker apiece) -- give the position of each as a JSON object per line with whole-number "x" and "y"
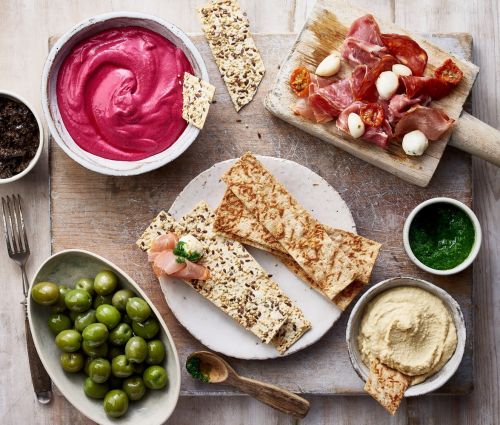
{"x": 106, "y": 214}
{"x": 324, "y": 33}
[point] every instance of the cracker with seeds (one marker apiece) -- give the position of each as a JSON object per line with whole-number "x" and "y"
{"x": 196, "y": 98}
{"x": 227, "y": 31}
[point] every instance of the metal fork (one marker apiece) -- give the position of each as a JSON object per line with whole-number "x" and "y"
{"x": 19, "y": 251}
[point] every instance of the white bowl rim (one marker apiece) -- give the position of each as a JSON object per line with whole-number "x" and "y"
{"x": 176, "y": 389}
{"x": 38, "y": 153}
{"x": 387, "y": 284}
{"x": 477, "y": 240}
{"x": 149, "y": 163}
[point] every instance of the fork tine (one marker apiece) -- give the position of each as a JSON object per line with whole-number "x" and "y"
{"x": 13, "y": 225}
{"x": 22, "y": 229}
{"x": 7, "y": 232}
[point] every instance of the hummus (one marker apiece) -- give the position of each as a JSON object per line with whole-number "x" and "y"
{"x": 119, "y": 93}
{"x": 410, "y": 330}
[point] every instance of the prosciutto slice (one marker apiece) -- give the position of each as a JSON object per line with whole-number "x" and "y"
{"x": 192, "y": 271}
{"x": 363, "y": 44}
{"x": 363, "y": 78}
{"x": 377, "y": 135}
{"x": 165, "y": 263}
{"x": 319, "y": 112}
{"x": 426, "y": 86}
{"x": 433, "y": 122}
{"x": 328, "y": 102}
{"x": 400, "y": 104}
{"x": 407, "y": 51}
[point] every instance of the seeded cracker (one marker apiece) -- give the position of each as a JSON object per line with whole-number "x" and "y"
{"x": 196, "y": 98}
{"x": 227, "y": 31}
{"x": 237, "y": 285}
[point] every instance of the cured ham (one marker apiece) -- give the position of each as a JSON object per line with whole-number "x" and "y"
{"x": 363, "y": 78}
{"x": 379, "y": 135}
{"x": 363, "y": 44}
{"x": 433, "y": 122}
{"x": 166, "y": 263}
{"x": 400, "y": 104}
{"x": 406, "y": 51}
{"x": 332, "y": 99}
{"x": 426, "y": 86}
{"x": 319, "y": 111}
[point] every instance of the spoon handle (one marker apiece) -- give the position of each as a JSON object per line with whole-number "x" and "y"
{"x": 276, "y": 397}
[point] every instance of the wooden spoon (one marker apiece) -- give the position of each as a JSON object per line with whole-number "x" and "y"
{"x": 220, "y": 372}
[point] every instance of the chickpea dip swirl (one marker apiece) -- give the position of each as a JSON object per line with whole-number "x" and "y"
{"x": 119, "y": 93}
{"x": 410, "y": 330}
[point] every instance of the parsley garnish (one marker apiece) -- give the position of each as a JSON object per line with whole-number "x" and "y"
{"x": 181, "y": 253}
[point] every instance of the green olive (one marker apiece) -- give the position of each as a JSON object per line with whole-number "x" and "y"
{"x": 87, "y": 284}
{"x": 78, "y": 300}
{"x": 121, "y": 334}
{"x": 155, "y": 377}
{"x": 94, "y": 352}
{"x": 121, "y": 297}
{"x": 156, "y": 352}
{"x": 136, "y": 349}
{"x": 45, "y": 293}
{"x": 105, "y": 282}
{"x": 95, "y": 334}
{"x": 60, "y": 305}
{"x": 99, "y": 370}
{"x": 95, "y": 390}
{"x": 138, "y": 309}
{"x": 134, "y": 388}
{"x": 59, "y": 322}
{"x": 102, "y": 299}
{"x": 69, "y": 340}
{"x": 108, "y": 315}
{"x": 147, "y": 329}
{"x": 115, "y": 403}
{"x": 121, "y": 367}
{"x": 82, "y": 320}
{"x": 72, "y": 362}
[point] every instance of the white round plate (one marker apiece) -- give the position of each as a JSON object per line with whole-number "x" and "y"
{"x": 209, "y": 324}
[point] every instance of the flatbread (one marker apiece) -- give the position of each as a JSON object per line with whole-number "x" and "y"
{"x": 233, "y": 218}
{"x": 196, "y": 98}
{"x": 237, "y": 285}
{"x": 386, "y": 385}
{"x": 303, "y": 237}
{"x": 227, "y": 31}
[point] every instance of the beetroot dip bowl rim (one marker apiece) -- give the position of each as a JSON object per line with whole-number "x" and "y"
{"x": 56, "y": 57}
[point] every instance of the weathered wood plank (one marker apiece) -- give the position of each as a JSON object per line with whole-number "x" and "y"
{"x": 379, "y": 211}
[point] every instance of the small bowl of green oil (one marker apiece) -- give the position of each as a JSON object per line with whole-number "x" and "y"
{"x": 442, "y": 236}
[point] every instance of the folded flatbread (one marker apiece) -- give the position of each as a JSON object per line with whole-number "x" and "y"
{"x": 237, "y": 284}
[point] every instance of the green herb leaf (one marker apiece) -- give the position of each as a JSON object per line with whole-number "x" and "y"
{"x": 180, "y": 260}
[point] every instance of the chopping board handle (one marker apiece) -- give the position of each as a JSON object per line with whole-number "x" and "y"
{"x": 477, "y": 138}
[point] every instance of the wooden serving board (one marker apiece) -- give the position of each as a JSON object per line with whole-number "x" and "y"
{"x": 324, "y": 33}
{"x": 106, "y": 214}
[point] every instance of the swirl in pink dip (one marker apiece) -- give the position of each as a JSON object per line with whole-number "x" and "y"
{"x": 120, "y": 93}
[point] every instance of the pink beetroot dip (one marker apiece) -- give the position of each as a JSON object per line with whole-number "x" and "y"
{"x": 120, "y": 93}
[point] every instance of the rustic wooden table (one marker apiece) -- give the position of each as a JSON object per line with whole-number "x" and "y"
{"x": 24, "y": 29}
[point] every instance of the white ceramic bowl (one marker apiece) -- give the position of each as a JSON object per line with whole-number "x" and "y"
{"x": 13, "y": 96}
{"x": 433, "y": 382}
{"x": 64, "y": 268}
{"x": 51, "y": 111}
{"x": 475, "y": 248}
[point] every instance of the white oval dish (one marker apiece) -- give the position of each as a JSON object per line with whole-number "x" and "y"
{"x": 64, "y": 268}
{"x": 442, "y": 376}
{"x": 51, "y": 111}
{"x": 475, "y": 248}
{"x": 210, "y": 325}
{"x": 16, "y": 97}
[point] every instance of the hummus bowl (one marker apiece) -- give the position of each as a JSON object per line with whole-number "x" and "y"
{"x": 433, "y": 382}
{"x": 63, "y": 47}
{"x": 64, "y": 268}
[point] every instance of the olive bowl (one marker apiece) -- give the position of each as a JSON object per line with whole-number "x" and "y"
{"x": 433, "y": 382}
{"x": 64, "y": 268}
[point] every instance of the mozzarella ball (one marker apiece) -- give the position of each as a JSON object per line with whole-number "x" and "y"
{"x": 356, "y": 125}
{"x": 400, "y": 69}
{"x": 387, "y": 84}
{"x": 329, "y": 66}
{"x": 415, "y": 143}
